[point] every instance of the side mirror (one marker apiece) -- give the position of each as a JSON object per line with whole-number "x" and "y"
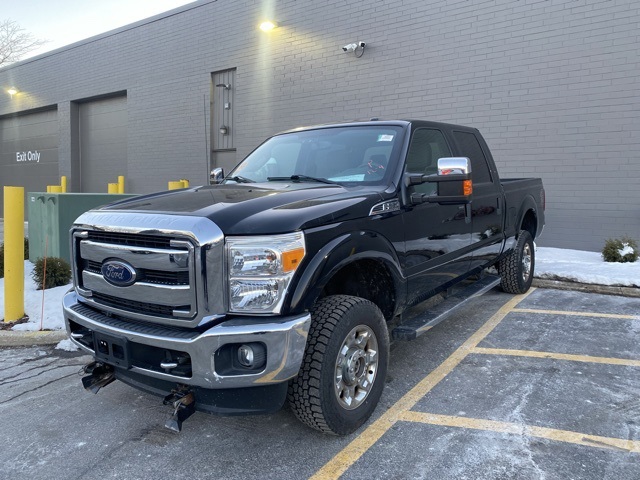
{"x": 454, "y": 166}
{"x": 216, "y": 176}
{"x": 453, "y": 179}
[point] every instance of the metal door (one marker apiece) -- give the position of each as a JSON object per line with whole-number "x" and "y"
{"x": 29, "y": 151}
{"x": 103, "y": 143}
{"x": 223, "y": 148}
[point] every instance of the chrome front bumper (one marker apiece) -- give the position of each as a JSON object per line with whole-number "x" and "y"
{"x": 284, "y": 337}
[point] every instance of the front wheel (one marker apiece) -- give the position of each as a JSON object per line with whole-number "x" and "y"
{"x": 344, "y": 368}
{"x": 516, "y": 269}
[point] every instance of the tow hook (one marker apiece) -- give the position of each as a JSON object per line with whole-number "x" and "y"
{"x": 184, "y": 405}
{"x": 99, "y": 375}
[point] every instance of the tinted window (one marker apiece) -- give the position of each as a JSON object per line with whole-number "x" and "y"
{"x": 470, "y": 147}
{"x": 426, "y": 147}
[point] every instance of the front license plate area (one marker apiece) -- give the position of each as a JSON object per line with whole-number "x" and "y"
{"x": 111, "y": 350}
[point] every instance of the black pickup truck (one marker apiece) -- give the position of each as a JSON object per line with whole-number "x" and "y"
{"x": 287, "y": 278}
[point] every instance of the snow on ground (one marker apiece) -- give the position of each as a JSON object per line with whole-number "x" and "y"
{"x": 33, "y": 301}
{"x": 584, "y": 267}
{"x": 551, "y": 263}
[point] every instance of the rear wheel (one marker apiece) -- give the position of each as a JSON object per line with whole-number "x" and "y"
{"x": 516, "y": 269}
{"x": 344, "y": 368}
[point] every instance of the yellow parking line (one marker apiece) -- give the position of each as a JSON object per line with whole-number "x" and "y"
{"x": 577, "y": 314}
{"x": 352, "y": 452}
{"x": 632, "y": 446}
{"x": 558, "y": 356}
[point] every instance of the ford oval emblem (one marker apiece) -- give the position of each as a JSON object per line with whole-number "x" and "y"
{"x": 118, "y": 273}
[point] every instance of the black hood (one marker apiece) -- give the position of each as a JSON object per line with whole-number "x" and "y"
{"x": 260, "y": 208}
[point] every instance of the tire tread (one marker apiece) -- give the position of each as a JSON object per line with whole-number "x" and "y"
{"x": 509, "y": 268}
{"x": 304, "y": 391}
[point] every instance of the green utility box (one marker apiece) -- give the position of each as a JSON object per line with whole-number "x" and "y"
{"x": 51, "y": 216}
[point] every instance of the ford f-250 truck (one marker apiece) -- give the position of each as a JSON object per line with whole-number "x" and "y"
{"x": 284, "y": 279}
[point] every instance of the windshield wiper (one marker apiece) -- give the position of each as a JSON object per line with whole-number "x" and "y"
{"x": 301, "y": 178}
{"x": 239, "y": 179}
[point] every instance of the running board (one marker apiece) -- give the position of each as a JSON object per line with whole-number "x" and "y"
{"x": 415, "y": 327}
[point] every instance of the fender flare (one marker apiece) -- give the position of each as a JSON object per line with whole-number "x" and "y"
{"x": 528, "y": 204}
{"x": 337, "y": 254}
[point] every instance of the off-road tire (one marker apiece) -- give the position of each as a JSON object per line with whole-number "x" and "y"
{"x": 516, "y": 269}
{"x": 313, "y": 393}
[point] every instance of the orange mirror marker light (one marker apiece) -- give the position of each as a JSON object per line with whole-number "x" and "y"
{"x": 467, "y": 187}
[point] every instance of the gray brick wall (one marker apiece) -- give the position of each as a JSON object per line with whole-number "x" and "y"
{"x": 552, "y": 84}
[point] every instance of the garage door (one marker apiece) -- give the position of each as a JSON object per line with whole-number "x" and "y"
{"x": 29, "y": 152}
{"x": 103, "y": 143}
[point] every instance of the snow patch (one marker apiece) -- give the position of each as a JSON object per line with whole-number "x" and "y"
{"x": 33, "y": 304}
{"x": 626, "y": 250}
{"x": 67, "y": 345}
{"x": 584, "y": 267}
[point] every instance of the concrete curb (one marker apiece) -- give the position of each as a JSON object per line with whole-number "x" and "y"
{"x": 10, "y": 338}
{"x": 633, "y": 292}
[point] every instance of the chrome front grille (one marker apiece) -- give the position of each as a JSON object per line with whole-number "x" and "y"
{"x": 128, "y": 239}
{"x": 134, "y": 306}
{"x": 147, "y": 275}
{"x": 177, "y": 275}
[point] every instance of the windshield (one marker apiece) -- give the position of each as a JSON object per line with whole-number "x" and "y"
{"x": 344, "y": 155}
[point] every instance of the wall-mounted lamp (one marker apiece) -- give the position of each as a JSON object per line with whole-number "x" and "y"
{"x": 268, "y": 25}
{"x": 12, "y": 91}
{"x": 357, "y": 48}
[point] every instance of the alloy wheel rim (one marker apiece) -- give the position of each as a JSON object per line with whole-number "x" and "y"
{"x": 527, "y": 258}
{"x": 356, "y": 367}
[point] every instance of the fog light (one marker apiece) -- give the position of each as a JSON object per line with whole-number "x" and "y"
{"x": 252, "y": 355}
{"x": 245, "y": 356}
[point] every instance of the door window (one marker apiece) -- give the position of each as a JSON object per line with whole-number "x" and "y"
{"x": 427, "y": 146}
{"x": 470, "y": 147}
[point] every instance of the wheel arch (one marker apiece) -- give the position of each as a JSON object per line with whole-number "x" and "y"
{"x": 528, "y": 217}
{"x": 362, "y": 264}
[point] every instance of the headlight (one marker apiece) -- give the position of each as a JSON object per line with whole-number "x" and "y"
{"x": 260, "y": 270}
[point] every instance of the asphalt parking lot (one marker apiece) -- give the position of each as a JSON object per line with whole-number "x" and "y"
{"x": 544, "y": 385}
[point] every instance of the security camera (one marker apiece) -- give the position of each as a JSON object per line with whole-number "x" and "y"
{"x": 350, "y": 48}
{"x": 361, "y": 44}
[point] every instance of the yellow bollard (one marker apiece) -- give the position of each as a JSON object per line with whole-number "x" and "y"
{"x": 13, "y": 253}
{"x": 120, "y": 184}
{"x": 56, "y": 189}
{"x": 185, "y": 183}
{"x": 63, "y": 183}
{"x": 112, "y": 188}
{"x": 175, "y": 185}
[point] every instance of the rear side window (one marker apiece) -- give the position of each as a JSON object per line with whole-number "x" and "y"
{"x": 470, "y": 147}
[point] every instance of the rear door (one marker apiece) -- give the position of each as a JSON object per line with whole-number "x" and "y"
{"x": 487, "y": 201}
{"x": 437, "y": 237}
